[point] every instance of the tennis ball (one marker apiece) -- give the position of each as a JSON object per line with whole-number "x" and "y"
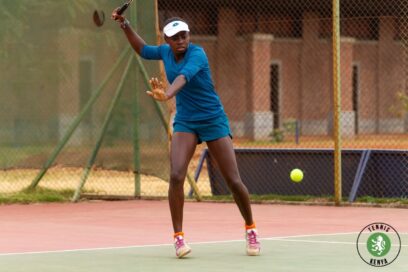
{"x": 296, "y": 175}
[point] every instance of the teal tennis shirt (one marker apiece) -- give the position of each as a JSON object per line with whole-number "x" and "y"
{"x": 197, "y": 100}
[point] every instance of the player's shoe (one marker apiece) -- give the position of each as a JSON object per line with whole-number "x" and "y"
{"x": 182, "y": 249}
{"x": 253, "y": 246}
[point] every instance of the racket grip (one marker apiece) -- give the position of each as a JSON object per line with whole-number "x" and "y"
{"x": 122, "y": 9}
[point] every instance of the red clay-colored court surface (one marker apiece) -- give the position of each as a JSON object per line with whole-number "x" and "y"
{"x": 137, "y": 236}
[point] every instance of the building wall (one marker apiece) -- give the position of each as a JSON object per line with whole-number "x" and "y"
{"x": 240, "y": 62}
{"x": 391, "y": 79}
{"x": 242, "y": 77}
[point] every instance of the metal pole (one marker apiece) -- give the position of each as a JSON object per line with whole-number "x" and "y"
{"x": 135, "y": 114}
{"x": 336, "y": 102}
{"x": 100, "y": 138}
{"x": 77, "y": 120}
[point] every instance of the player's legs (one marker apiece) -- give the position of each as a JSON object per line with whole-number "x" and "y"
{"x": 183, "y": 145}
{"x": 223, "y": 152}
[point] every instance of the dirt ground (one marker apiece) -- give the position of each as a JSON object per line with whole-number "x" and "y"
{"x": 100, "y": 182}
{"x": 122, "y": 181}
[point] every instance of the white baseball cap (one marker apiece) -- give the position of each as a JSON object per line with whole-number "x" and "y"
{"x": 175, "y": 27}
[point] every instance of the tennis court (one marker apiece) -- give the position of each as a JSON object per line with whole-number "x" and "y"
{"x": 294, "y": 77}
{"x": 136, "y": 236}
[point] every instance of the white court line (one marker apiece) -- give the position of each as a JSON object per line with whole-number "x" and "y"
{"x": 280, "y": 238}
{"x": 325, "y": 242}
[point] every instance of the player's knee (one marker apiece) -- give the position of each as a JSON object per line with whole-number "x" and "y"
{"x": 234, "y": 183}
{"x": 177, "y": 178}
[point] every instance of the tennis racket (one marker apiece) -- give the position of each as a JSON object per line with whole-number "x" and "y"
{"x": 99, "y": 17}
{"x": 124, "y": 7}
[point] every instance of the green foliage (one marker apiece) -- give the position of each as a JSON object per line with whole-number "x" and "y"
{"x": 401, "y": 108}
{"x": 275, "y": 197}
{"x": 288, "y": 127}
{"x": 377, "y": 200}
{"x": 277, "y": 135}
{"x": 403, "y": 98}
{"x": 312, "y": 199}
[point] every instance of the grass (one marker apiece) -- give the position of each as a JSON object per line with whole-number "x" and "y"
{"x": 377, "y": 200}
{"x": 37, "y": 195}
{"x": 311, "y": 199}
{"x": 273, "y": 197}
{"x": 44, "y": 195}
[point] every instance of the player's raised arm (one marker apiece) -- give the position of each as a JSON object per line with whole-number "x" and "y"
{"x": 134, "y": 39}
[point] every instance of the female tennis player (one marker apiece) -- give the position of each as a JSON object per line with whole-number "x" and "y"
{"x": 200, "y": 117}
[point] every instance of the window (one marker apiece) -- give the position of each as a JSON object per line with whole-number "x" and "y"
{"x": 275, "y": 90}
{"x": 356, "y": 86}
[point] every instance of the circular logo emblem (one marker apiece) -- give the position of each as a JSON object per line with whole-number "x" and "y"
{"x": 378, "y": 244}
{"x": 175, "y": 24}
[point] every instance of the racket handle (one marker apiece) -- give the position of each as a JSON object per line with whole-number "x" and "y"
{"x": 123, "y": 8}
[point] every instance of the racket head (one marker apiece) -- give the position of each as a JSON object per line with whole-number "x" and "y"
{"x": 98, "y": 18}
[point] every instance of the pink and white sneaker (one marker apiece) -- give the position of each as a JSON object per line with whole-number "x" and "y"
{"x": 182, "y": 249}
{"x": 253, "y": 246}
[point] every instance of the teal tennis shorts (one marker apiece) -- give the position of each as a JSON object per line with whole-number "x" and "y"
{"x": 206, "y": 130}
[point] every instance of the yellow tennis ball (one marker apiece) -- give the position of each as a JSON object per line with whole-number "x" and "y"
{"x": 296, "y": 175}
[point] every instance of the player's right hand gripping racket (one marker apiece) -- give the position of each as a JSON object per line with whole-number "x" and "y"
{"x": 124, "y": 7}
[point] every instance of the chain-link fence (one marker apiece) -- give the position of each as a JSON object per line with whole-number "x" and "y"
{"x": 272, "y": 65}
{"x": 73, "y": 101}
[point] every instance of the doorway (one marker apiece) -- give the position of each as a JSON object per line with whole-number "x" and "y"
{"x": 275, "y": 94}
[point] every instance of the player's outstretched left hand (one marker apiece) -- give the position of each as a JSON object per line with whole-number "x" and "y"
{"x": 157, "y": 92}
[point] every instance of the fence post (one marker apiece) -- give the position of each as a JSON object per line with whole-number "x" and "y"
{"x": 134, "y": 9}
{"x": 336, "y": 101}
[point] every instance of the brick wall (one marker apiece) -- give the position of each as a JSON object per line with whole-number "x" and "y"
{"x": 241, "y": 60}
{"x": 241, "y": 66}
